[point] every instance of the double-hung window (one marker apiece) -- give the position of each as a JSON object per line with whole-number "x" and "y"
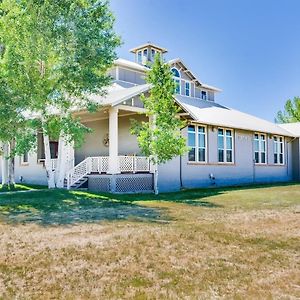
{"x": 225, "y": 145}
{"x": 197, "y": 143}
{"x": 260, "y": 147}
{"x": 278, "y": 150}
{"x": 24, "y": 159}
{"x": 187, "y": 88}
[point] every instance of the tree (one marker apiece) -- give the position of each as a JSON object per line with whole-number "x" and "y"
{"x": 160, "y": 138}
{"x": 291, "y": 112}
{"x": 55, "y": 56}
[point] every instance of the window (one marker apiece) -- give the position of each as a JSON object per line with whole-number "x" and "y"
{"x": 176, "y": 80}
{"x": 204, "y": 95}
{"x": 278, "y": 150}
{"x": 197, "y": 143}
{"x": 260, "y": 156}
{"x": 139, "y": 57}
{"x": 24, "y": 159}
{"x": 175, "y": 72}
{"x": 187, "y": 88}
{"x": 225, "y": 145}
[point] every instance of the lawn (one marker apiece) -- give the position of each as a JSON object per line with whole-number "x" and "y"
{"x": 241, "y": 243}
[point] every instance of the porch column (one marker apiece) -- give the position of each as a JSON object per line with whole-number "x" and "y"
{"x": 113, "y": 167}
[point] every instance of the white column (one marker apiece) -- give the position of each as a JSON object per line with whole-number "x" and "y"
{"x": 113, "y": 142}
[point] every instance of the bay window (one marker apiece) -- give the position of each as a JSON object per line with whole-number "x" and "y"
{"x": 197, "y": 143}
{"x": 278, "y": 150}
{"x": 225, "y": 145}
{"x": 260, "y": 156}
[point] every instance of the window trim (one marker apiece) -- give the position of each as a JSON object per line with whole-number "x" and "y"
{"x": 197, "y": 161}
{"x": 278, "y": 153}
{"x": 259, "y": 148}
{"x": 225, "y": 146}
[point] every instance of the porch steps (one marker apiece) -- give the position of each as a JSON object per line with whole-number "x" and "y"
{"x": 77, "y": 184}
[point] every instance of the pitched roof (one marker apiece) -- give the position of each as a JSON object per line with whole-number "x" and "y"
{"x": 293, "y": 128}
{"x": 130, "y": 64}
{"x": 116, "y": 94}
{"x": 211, "y": 113}
{"x": 192, "y": 75}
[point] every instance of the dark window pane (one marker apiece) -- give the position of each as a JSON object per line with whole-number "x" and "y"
{"x": 201, "y": 154}
{"x": 201, "y": 129}
{"x": 192, "y": 156}
{"x": 220, "y": 131}
{"x": 263, "y": 158}
{"x": 281, "y": 158}
{"x": 228, "y": 156}
{"x": 275, "y": 159}
{"x": 191, "y": 128}
{"x": 221, "y": 155}
{"x": 256, "y": 157}
{"x": 228, "y": 132}
{"x": 25, "y": 157}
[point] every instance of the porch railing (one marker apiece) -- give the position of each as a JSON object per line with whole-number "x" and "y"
{"x": 100, "y": 164}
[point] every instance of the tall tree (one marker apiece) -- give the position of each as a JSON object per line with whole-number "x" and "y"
{"x": 291, "y": 112}
{"x": 160, "y": 138}
{"x": 56, "y": 55}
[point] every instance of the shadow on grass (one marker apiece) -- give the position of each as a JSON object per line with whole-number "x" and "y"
{"x": 61, "y": 207}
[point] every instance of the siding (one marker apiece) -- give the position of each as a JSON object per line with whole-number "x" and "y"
{"x": 243, "y": 171}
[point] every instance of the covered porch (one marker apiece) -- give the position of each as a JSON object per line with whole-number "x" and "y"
{"x": 110, "y": 153}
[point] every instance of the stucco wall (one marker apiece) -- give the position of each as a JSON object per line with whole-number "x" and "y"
{"x": 242, "y": 171}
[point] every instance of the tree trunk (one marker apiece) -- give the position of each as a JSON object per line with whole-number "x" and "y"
{"x": 11, "y": 173}
{"x": 48, "y": 165}
{"x": 5, "y": 165}
{"x": 62, "y": 162}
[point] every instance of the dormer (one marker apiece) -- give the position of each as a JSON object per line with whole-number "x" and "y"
{"x": 144, "y": 54}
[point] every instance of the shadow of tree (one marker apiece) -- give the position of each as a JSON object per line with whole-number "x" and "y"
{"x": 60, "y": 207}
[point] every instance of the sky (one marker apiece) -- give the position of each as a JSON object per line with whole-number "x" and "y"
{"x": 249, "y": 49}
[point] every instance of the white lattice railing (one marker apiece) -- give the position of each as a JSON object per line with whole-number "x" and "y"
{"x": 100, "y": 164}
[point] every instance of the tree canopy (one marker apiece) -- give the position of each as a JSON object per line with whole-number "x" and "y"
{"x": 160, "y": 138}
{"x": 291, "y": 112}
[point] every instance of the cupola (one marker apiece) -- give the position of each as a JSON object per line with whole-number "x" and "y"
{"x": 144, "y": 54}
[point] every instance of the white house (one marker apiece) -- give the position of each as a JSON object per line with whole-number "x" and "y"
{"x": 226, "y": 147}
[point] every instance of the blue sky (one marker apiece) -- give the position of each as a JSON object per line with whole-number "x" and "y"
{"x": 249, "y": 49}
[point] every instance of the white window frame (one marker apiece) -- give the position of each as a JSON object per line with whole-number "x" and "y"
{"x": 187, "y": 83}
{"x": 197, "y": 133}
{"x": 276, "y": 146}
{"x": 225, "y": 146}
{"x": 260, "y": 141}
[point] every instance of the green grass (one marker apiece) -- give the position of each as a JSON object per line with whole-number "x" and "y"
{"x": 233, "y": 243}
{"x": 21, "y": 187}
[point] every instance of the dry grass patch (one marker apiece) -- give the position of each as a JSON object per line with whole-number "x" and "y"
{"x": 232, "y": 243}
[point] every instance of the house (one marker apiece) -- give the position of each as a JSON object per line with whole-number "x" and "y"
{"x": 226, "y": 146}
